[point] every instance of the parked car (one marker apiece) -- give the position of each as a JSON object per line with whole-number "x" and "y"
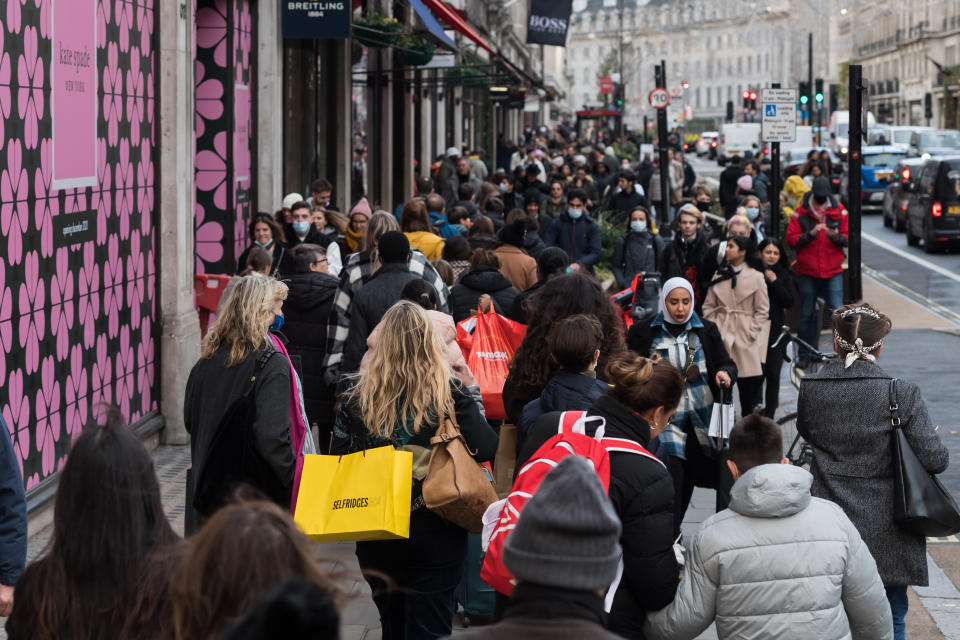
{"x": 935, "y": 142}
{"x": 736, "y": 139}
{"x": 876, "y": 173}
{"x": 934, "y": 215}
{"x": 707, "y": 144}
{"x": 901, "y": 190}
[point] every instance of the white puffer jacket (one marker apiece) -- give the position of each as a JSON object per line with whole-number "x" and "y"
{"x": 777, "y": 564}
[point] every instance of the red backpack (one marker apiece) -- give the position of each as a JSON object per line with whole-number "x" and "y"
{"x": 571, "y": 439}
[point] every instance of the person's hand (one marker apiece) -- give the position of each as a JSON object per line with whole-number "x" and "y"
{"x": 817, "y": 229}
{"x": 6, "y": 600}
{"x": 484, "y": 302}
{"x": 574, "y": 267}
{"x": 723, "y": 379}
{"x": 832, "y": 233}
{"x": 770, "y": 275}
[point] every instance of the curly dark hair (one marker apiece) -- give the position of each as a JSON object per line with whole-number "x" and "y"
{"x": 562, "y": 297}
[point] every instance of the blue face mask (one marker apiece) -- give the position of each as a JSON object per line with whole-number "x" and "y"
{"x": 301, "y": 227}
{"x": 638, "y": 225}
{"x": 503, "y": 187}
{"x": 574, "y": 213}
{"x": 264, "y": 245}
{"x": 753, "y": 212}
{"x": 277, "y": 323}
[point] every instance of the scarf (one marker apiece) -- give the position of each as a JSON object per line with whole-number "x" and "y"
{"x": 353, "y": 239}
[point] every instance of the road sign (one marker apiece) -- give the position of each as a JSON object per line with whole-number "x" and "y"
{"x": 676, "y": 92}
{"x": 779, "y": 123}
{"x": 606, "y": 84}
{"x": 659, "y": 98}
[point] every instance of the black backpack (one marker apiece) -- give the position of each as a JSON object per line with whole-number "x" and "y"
{"x": 233, "y": 458}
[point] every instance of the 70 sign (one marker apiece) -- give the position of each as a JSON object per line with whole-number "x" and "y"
{"x": 659, "y": 98}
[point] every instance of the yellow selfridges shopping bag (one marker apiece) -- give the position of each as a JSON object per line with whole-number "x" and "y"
{"x": 359, "y": 496}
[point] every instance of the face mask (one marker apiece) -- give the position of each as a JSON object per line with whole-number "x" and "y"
{"x": 277, "y": 323}
{"x": 638, "y": 225}
{"x": 503, "y": 187}
{"x": 264, "y": 245}
{"x": 574, "y": 213}
{"x": 301, "y": 227}
{"x": 819, "y": 200}
{"x": 703, "y": 206}
{"x": 753, "y": 212}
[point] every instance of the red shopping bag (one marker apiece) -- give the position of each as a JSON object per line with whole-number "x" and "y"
{"x": 488, "y": 341}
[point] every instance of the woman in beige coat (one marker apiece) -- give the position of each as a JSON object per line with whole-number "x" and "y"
{"x": 737, "y": 302}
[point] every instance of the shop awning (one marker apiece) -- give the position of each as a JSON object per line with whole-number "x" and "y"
{"x": 452, "y": 18}
{"x": 430, "y": 22}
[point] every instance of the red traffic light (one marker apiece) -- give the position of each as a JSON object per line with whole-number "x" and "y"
{"x": 753, "y": 95}
{"x": 746, "y": 94}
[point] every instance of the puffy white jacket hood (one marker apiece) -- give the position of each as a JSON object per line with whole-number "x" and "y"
{"x": 771, "y": 491}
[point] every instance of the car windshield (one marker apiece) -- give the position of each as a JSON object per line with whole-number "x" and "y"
{"x": 948, "y": 183}
{"x": 842, "y": 129}
{"x": 882, "y": 159}
{"x": 902, "y": 137}
{"x": 948, "y": 139}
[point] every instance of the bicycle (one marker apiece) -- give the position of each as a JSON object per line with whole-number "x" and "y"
{"x": 788, "y": 424}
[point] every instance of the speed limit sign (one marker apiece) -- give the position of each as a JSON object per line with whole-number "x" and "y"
{"x": 659, "y": 98}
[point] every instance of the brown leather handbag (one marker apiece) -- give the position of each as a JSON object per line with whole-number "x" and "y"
{"x": 456, "y": 487}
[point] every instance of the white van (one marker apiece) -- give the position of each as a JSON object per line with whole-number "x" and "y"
{"x": 840, "y": 131}
{"x": 736, "y": 138}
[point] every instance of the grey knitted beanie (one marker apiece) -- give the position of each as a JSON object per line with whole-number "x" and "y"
{"x": 568, "y": 533}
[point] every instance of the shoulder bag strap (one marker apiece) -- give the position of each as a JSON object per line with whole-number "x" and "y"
{"x": 894, "y": 405}
{"x": 693, "y": 345}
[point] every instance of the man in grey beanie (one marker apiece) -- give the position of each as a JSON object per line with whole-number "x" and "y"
{"x": 564, "y": 554}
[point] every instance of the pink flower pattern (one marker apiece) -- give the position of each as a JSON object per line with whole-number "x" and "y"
{"x": 77, "y": 323}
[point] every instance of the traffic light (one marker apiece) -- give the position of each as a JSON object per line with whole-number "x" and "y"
{"x": 818, "y": 94}
{"x": 804, "y": 93}
{"x": 753, "y": 100}
{"x": 618, "y": 92}
{"x": 729, "y": 110}
{"x": 928, "y": 106}
{"x": 746, "y": 100}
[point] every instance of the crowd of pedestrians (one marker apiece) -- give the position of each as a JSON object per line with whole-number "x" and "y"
{"x": 339, "y": 334}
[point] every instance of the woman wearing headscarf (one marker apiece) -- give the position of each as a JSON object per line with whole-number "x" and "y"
{"x": 695, "y": 347}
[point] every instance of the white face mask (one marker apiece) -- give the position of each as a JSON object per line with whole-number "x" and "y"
{"x": 638, "y": 225}
{"x": 574, "y": 213}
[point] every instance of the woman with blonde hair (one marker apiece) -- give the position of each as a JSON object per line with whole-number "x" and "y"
{"x": 242, "y": 553}
{"x": 400, "y": 400}
{"x": 239, "y": 378}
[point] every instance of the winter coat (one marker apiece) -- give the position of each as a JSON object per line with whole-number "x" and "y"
{"x": 444, "y": 325}
{"x": 728, "y": 188}
{"x": 472, "y": 285}
{"x": 740, "y": 314}
{"x": 533, "y": 244}
{"x": 282, "y": 259}
{"x": 519, "y": 268}
{"x": 377, "y": 295}
{"x": 819, "y": 256}
{"x": 429, "y": 244}
{"x": 213, "y": 387}
{"x": 641, "y": 336}
{"x": 781, "y": 295}
{"x": 553, "y": 209}
{"x": 635, "y": 253}
{"x": 688, "y": 260}
{"x": 13, "y": 530}
{"x": 623, "y": 202}
{"x": 743, "y": 569}
{"x": 641, "y": 490}
{"x": 451, "y": 184}
{"x": 579, "y": 238}
{"x": 306, "y": 312}
{"x": 516, "y": 311}
{"x": 565, "y": 391}
{"x": 845, "y": 414}
{"x": 481, "y": 242}
{"x": 537, "y": 612}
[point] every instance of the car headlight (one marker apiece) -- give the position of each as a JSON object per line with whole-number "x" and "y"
{"x": 843, "y": 150}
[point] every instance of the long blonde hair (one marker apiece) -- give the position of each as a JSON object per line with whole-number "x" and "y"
{"x": 408, "y": 379}
{"x": 245, "y": 319}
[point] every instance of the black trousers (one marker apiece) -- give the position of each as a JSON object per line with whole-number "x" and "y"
{"x": 751, "y": 393}
{"x": 698, "y": 470}
{"x": 425, "y": 570}
{"x": 771, "y": 375}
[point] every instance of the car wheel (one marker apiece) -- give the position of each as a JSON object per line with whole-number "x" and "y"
{"x": 886, "y": 221}
{"x": 929, "y": 239}
{"x": 898, "y": 224}
{"x": 912, "y": 240}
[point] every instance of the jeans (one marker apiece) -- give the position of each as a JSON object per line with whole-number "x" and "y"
{"x": 810, "y": 288}
{"x": 425, "y": 569}
{"x": 898, "y": 607}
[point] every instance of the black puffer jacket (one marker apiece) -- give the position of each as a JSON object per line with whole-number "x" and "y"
{"x": 689, "y": 260}
{"x": 565, "y": 391}
{"x": 641, "y": 490}
{"x": 635, "y": 253}
{"x": 306, "y": 311}
{"x": 378, "y": 294}
{"x": 472, "y": 285}
{"x": 780, "y": 293}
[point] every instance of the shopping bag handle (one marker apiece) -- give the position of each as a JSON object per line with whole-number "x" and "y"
{"x": 445, "y": 434}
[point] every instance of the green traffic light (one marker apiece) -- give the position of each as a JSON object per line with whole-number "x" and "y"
{"x": 804, "y": 99}
{"x": 819, "y": 97}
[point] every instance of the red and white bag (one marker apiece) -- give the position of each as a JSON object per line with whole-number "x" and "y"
{"x": 571, "y": 439}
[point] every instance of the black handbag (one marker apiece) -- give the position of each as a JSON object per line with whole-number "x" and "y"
{"x": 233, "y": 459}
{"x": 921, "y": 504}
